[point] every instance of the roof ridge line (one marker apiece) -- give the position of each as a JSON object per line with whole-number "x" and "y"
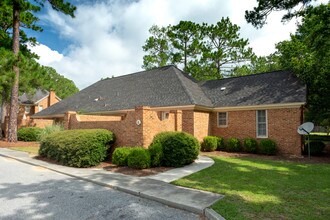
{"x": 177, "y": 72}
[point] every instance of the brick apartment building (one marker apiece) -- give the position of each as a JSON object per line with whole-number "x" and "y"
{"x": 138, "y": 106}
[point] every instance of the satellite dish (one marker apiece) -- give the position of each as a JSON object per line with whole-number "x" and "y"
{"x": 305, "y": 128}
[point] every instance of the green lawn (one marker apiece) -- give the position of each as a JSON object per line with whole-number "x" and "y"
{"x": 33, "y": 150}
{"x": 265, "y": 189}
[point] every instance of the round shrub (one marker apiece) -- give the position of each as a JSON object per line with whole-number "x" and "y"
{"x": 220, "y": 143}
{"x": 139, "y": 158}
{"x": 158, "y": 138}
{"x": 233, "y": 145}
{"x": 267, "y": 147}
{"x": 120, "y": 155}
{"x": 77, "y": 148}
{"x": 316, "y": 148}
{"x": 29, "y": 134}
{"x": 179, "y": 148}
{"x": 156, "y": 154}
{"x": 209, "y": 143}
{"x": 250, "y": 145}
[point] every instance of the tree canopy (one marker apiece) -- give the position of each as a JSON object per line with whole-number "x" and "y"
{"x": 206, "y": 51}
{"x": 258, "y": 16}
{"x": 307, "y": 53}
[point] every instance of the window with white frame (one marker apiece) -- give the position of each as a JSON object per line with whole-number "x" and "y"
{"x": 40, "y": 107}
{"x": 222, "y": 119}
{"x": 165, "y": 115}
{"x": 27, "y": 109}
{"x": 262, "y": 124}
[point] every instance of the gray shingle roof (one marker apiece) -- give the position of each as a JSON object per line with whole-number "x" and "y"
{"x": 258, "y": 89}
{"x": 31, "y": 99}
{"x": 169, "y": 86}
{"x": 165, "y": 86}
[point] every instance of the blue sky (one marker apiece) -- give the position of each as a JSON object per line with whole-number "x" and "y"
{"x": 106, "y": 36}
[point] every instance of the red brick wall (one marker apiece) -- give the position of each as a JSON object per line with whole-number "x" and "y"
{"x": 282, "y": 127}
{"x": 201, "y": 125}
{"x": 127, "y": 132}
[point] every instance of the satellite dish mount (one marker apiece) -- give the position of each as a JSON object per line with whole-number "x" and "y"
{"x": 305, "y": 129}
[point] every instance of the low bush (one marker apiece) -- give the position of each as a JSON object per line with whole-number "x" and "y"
{"x": 77, "y": 148}
{"x": 250, "y": 145}
{"x": 267, "y": 147}
{"x": 120, "y": 155}
{"x": 29, "y": 134}
{"x": 233, "y": 145}
{"x": 179, "y": 148}
{"x": 156, "y": 154}
{"x": 51, "y": 129}
{"x": 316, "y": 148}
{"x": 209, "y": 143}
{"x": 221, "y": 143}
{"x": 139, "y": 158}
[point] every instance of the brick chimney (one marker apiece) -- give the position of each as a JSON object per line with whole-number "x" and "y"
{"x": 52, "y": 98}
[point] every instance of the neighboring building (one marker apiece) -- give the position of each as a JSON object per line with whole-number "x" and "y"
{"x": 30, "y": 104}
{"x": 138, "y": 106}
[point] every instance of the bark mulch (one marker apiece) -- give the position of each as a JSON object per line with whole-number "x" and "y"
{"x": 5, "y": 144}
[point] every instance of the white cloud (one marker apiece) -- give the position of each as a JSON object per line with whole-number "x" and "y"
{"x": 47, "y": 55}
{"x": 108, "y": 36}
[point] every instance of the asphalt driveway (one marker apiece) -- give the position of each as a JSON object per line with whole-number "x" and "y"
{"x": 31, "y": 192}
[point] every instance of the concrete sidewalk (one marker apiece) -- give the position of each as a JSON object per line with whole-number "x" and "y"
{"x": 178, "y": 197}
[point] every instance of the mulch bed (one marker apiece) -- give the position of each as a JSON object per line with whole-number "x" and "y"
{"x": 5, "y": 144}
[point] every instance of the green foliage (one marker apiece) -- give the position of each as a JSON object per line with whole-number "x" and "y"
{"x": 250, "y": 145}
{"x": 139, "y": 158}
{"x": 156, "y": 154}
{"x": 316, "y": 148}
{"x": 209, "y": 143}
{"x": 233, "y": 145}
{"x": 221, "y": 143}
{"x": 50, "y": 129}
{"x": 267, "y": 147}
{"x": 257, "y": 65}
{"x": 259, "y": 15}
{"x": 205, "y": 51}
{"x": 77, "y": 148}
{"x": 120, "y": 155}
{"x": 179, "y": 148}
{"x": 29, "y": 134}
{"x": 307, "y": 53}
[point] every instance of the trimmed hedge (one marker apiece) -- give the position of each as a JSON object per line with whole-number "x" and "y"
{"x": 233, "y": 145}
{"x": 77, "y": 148}
{"x": 267, "y": 147}
{"x": 139, "y": 158}
{"x": 316, "y": 148}
{"x": 221, "y": 143}
{"x": 51, "y": 129}
{"x": 209, "y": 143}
{"x": 179, "y": 148}
{"x": 250, "y": 145}
{"x": 120, "y": 155}
{"x": 29, "y": 134}
{"x": 156, "y": 154}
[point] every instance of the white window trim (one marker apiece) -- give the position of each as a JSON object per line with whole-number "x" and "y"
{"x": 165, "y": 115}
{"x": 266, "y": 115}
{"x": 222, "y": 126}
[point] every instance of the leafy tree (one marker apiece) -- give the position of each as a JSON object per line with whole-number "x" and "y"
{"x": 205, "y": 51}
{"x": 22, "y": 15}
{"x": 307, "y": 53}
{"x": 258, "y": 16}
{"x": 258, "y": 65}
{"x": 222, "y": 48}
{"x": 185, "y": 38}
{"x": 158, "y": 47}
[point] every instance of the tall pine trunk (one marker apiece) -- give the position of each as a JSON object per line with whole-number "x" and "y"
{"x": 12, "y": 128}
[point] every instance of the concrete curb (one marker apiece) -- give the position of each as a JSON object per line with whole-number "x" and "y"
{"x": 131, "y": 189}
{"x": 212, "y": 215}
